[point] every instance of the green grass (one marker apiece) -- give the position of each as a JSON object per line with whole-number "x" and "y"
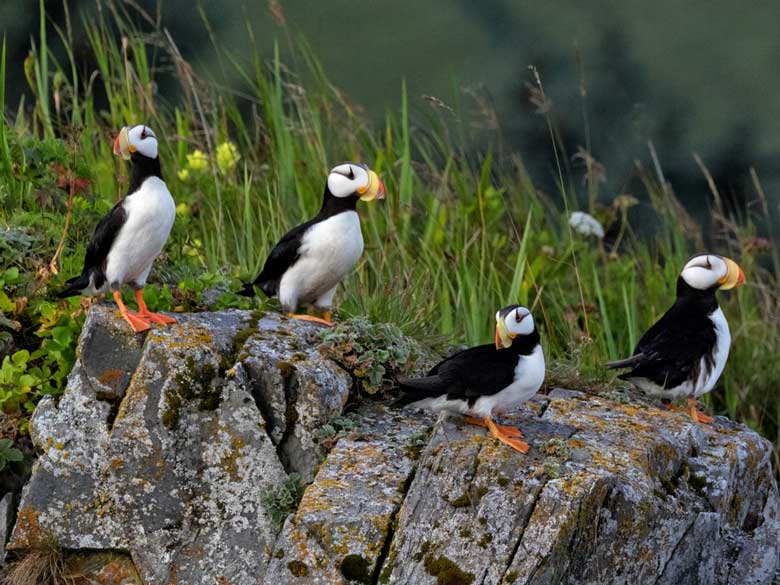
{"x": 458, "y": 237}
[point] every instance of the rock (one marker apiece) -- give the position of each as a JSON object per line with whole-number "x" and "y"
{"x": 297, "y": 389}
{"x": 342, "y": 524}
{"x": 6, "y": 518}
{"x": 164, "y": 449}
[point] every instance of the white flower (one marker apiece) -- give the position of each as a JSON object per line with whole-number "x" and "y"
{"x": 585, "y": 224}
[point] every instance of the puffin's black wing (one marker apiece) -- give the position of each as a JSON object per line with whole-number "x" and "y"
{"x": 283, "y": 255}
{"x": 478, "y": 371}
{"x": 97, "y": 252}
{"x": 671, "y": 351}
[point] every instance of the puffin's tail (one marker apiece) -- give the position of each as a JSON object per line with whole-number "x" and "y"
{"x": 414, "y": 389}
{"x": 74, "y": 286}
{"x": 248, "y": 290}
{"x": 626, "y": 363}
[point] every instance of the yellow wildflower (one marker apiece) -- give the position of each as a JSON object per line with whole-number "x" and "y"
{"x": 197, "y": 161}
{"x": 227, "y": 156}
{"x": 184, "y": 174}
{"x": 182, "y": 209}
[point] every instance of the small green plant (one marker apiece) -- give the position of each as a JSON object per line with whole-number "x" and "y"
{"x": 336, "y": 428}
{"x": 283, "y": 499}
{"x": 373, "y": 352}
{"x": 8, "y": 454}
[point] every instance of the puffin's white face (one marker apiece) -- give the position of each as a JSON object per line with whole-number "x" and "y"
{"x": 139, "y": 139}
{"x": 511, "y": 322}
{"x": 705, "y": 271}
{"x": 349, "y": 179}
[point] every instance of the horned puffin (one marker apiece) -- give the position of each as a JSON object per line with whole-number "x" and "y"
{"x": 684, "y": 353}
{"x": 486, "y": 380}
{"x": 310, "y": 260}
{"x": 129, "y": 238}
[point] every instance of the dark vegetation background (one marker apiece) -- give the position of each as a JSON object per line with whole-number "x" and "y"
{"x": 692, "y": 77}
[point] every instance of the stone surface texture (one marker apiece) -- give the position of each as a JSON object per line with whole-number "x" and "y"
{"x": 164, "y": 448}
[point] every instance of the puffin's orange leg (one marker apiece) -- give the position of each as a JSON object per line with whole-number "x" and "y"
{"x": 516, "y": 444}
{"x": 147, "y": 315}
{"x": 509, "y": 431}
{"x": 697, "y": 415}
{"x": 671, "y": 407}
{"x": 325, "y": 320}
{"x": 136, "y": 322}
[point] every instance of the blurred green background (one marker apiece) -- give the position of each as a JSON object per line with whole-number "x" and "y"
{"x": 692, "y": 77}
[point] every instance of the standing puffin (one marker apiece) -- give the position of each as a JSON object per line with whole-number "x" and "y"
{"x": 684, "y": 353}
{"x": 310, "y": 260}
{"x": 486, "y": 380}
{"x": 130, "y": 236}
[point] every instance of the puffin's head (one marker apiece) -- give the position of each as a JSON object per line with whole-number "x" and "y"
{"x": 132, "y": 139}
{"x": 512, "y": 322}
{"x": 707, "y": 271}
{"x": 355, "y": 180}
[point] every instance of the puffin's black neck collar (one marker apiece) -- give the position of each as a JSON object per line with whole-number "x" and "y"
{"x": 331, "y": 205}
{"x": 690, "y": 296}
{"x": 524, "y": 344}
{"x": 141, "y": 168}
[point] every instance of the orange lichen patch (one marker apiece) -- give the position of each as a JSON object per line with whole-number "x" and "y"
{"x": 110, "y": 378}
{"x": 117, "y": 463}
{"x": 576, "y": 443}
{"x": 189, "y": 337}
{"x": 28, "y": 533}
{"x": 118, "y": 572}
{"x": 230, "y": 461}
{"x": 133, "y": 396}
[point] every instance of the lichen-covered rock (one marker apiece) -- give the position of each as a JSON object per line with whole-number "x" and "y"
{"x": 165, "y": 447}
{"x": 297, "y": 389}
{"x": 610, "y": 492}
{"x": 172, "y": 471}
{"x": 344, "y": 520}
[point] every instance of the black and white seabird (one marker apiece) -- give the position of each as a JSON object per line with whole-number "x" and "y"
{"x": 310, "y": 260}
{"x": 130, "y": 237}
{"x": 486, "y": 380}
{"x": 684, "y": 353}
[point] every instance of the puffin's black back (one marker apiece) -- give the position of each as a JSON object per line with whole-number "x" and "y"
{"x": 286, "y": 252}
{"x": 670, "y": 352}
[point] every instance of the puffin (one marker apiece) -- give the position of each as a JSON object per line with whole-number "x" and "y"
{"x": 129, "y": 238}
{"x": 307, "y": 264}
{"x": 486, "y": 380}
{"x": 683, "y": 354}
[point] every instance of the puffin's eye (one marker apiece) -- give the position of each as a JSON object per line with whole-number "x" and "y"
{"x": 351, "y": 174}
{"x": 518, "y": 318}
{"x": 143, "y": 132}
{"x": 709, "y": 264}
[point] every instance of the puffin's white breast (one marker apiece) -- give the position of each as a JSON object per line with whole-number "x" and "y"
{"x": 329, "y": 250}
{"x": 150, "y": 212}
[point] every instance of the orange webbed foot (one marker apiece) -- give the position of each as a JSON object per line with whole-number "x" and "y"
{"x": 696, "y": 414}
{"x": 499, "y": 433}
{"x": 157, "y": 318}
{"x": 136, "y": 321}
{"x": 322, "y": 321}
{"x": 507, "y": 430}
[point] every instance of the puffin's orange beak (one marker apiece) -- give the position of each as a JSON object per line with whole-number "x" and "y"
{"x": 734, "y": 275}
{"x": 122, "y": 146}
{"x": 374, "y": 190}
{"x": 498, "y": 339}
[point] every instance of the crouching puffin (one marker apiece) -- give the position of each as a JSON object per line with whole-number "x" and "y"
{"x": 310, "y": 260}
{"x": 486, "y": 380}
{"x": 684, "y": 353}
{"x": 130, "y": 236}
